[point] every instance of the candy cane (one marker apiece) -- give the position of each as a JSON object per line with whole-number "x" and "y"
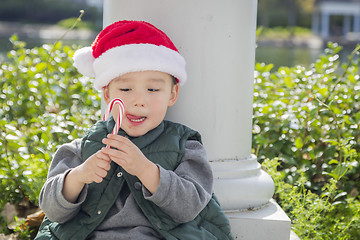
{"x": 121, "y": 106}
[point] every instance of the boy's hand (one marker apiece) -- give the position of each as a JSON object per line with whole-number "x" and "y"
{"x": 126, "y": 154}
{"x": 94, "y": 169}
{"x": 130, "y": 157}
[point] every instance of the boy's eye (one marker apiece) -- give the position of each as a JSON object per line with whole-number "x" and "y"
{"x": 125, "y": 89}
{"x": 153, "y": 89}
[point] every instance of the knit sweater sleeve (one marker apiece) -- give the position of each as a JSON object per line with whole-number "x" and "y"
{"x": 184, "y": 192}
{"x": 51, "y": 199}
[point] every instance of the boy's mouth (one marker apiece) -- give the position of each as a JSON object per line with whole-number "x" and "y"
{"x": 138, "y": 120}
{"x": 135, "y": 119}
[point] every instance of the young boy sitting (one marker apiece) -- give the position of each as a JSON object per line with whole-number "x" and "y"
{"x": 155, "y": 181}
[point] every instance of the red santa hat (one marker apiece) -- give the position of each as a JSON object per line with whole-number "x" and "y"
{"x": 129, "y": 46}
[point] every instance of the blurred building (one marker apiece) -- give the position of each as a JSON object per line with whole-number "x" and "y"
{"x": 95, "y": 3}
{"x": 329, "y": 13}
{"x": 92, "y": 3}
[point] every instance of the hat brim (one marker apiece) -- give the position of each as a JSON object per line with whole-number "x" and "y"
{"x": 137, "y": 57}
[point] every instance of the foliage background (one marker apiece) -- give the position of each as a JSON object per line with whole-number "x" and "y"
{"x": 306, "y": 134}
{"x": 44, "y": 102}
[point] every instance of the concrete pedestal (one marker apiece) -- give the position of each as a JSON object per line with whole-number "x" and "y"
{"x": 269, "y": 222}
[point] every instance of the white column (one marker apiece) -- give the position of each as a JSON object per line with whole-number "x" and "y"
{"x": 346, "y": 25}
{"x": 315, "y": 23}
{"x": 325, "y": 25}
{"x": 357, "y": 25}
{"x": 217, "y": 39}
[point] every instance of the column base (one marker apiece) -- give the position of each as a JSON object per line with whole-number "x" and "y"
{"x": 241, "y": 183}
{"x": 269, "y": 222}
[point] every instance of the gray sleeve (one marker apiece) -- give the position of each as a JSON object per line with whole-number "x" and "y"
{"x": 184, "y": 192}
{"x": 51, "y": 199}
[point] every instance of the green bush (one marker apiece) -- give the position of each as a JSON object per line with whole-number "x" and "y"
{"x": 282, "y": 32}
{"x": 69, "y": 22}
{"x": 44, "y": 102}
{"x": 307, "y": 121}
{"x": 330, "y": 215}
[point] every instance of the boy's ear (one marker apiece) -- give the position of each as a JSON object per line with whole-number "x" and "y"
{"x": 106, "y": 95}
{"x": 174, "y": 95}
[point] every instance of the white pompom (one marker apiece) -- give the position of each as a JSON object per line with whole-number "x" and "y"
{"x": 83, "y": 61}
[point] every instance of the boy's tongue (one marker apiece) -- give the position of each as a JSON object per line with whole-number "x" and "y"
{"x": 134, "y": 118}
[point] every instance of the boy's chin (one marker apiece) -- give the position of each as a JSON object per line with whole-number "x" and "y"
{"x": 136, "y": 133}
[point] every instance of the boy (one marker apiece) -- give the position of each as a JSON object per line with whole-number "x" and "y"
{"x": 155, "y": 182}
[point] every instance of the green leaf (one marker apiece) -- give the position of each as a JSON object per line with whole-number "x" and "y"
{"x": 338, "y": 172}
{"x": 40, "y": 66}
{"x": 332, "y": 141}
{"x": 289, "y": 82}
{"x": 333, "y": 161}
{"x": 357, "y": 116}
{"x": 323, "y": 91}
{"x": 342, "y": 194}
{"x": 299, "y": 143}
{"x": 45, "y": 138}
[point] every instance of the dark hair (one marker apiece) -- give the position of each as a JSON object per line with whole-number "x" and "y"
{"x": 175, "y": 81}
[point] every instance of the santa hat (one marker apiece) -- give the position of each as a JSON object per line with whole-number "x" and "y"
{"x": 129, "y": 46}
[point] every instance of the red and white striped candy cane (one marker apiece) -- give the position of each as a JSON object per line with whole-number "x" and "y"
{"x": 121, "y": 106}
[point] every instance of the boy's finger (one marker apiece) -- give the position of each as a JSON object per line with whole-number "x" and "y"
{"x": 97, "y": 179}
{"x": 102, "y": 155}
{"x": 120, "y": 162}
{"x": 114, "y": 153}
{"x": 123, "y": 140}
{"x": 120, "y": 146}
{"x": 121, "y": 143}
{"x": 104, "y": 165}
{"x": 101, "y": 173}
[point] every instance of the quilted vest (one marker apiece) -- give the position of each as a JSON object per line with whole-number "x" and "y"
{"x": 164, "y": 145}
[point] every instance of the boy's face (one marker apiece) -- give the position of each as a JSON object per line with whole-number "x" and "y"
{"x": 146, "y": 95}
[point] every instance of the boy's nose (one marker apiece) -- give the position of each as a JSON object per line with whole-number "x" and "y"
{"x": 139, "y": 104}
{"x": 139, "y": 101}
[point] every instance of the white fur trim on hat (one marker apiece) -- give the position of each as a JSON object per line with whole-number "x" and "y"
{"x": 137, "y": 57}
{"x": 83, "y": 61}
